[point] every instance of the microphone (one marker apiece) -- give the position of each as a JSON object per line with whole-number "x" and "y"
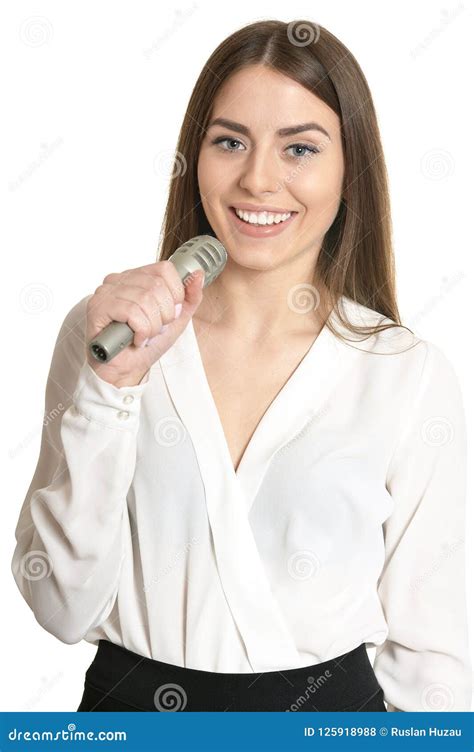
{"x": 202, "y": 252}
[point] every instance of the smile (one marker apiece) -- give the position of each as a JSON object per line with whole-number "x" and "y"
{"x": 260, "y": 224}
{"x": 261, "y": 218}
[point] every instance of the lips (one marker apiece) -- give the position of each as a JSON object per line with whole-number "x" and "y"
{"x": 254, "y": 230}
{"x": 257, "y": 224}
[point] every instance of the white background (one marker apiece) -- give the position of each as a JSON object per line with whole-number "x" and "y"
{"x": 93, "y": 98}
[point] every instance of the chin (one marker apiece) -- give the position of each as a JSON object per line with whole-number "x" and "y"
{"x": 255, "y": 259}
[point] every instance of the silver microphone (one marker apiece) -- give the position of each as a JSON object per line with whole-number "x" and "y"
{"x": 200, "y": 253}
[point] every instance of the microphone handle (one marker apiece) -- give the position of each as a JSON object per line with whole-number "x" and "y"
{"x": 110, "y": 341}
{"x": 201, "y": 253}
{"x": 114, "y": 337}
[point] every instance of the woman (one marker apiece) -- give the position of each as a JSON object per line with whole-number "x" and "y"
{"x": 233, "y": 513}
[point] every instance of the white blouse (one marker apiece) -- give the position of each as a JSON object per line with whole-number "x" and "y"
{"x": 343, "y": 524}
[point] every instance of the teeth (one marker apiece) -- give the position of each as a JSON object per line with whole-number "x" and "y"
{"x": 262, "y": 218}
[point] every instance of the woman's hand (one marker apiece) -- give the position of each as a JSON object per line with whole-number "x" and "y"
{"x": 145, "y": 298}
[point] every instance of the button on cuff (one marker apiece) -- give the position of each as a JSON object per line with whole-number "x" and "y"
{"x": 100, "y": 401}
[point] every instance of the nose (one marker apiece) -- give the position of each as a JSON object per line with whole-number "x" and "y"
{"x": 261, "y": 172}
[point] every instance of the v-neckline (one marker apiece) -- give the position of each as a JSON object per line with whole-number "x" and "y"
{"x": 323, "y": 335}
{"x": 298, "y": 401}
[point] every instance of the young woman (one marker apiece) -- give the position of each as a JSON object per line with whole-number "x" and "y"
{"x": 234, "y": 512}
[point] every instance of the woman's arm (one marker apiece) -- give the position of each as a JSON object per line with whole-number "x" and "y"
{"x": 425, "y": 664}
{"x": 68, "y": 554}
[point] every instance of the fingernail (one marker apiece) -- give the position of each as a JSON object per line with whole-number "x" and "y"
{"x": 145, "y": 343}
{"x": 177, "y": 309}
{"x": 203, "y": 279}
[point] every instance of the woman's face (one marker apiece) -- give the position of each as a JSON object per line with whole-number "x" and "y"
{"x": 247, "y": 164}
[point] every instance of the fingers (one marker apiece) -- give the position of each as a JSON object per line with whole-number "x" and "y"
{"x": 166, "y": 270}
{"x": 193, "y": 291}
{"x": 125, "y": 311}
{"x": 156, "y": 288}
{"x": 148, "y": 299}
{"x": 184, "y": 310}
{"x": 155, "y": 304}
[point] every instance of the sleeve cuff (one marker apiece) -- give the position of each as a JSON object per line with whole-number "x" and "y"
{"x": 102, "y": 402}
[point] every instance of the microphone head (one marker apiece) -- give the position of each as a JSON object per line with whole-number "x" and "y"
{"x": 202, "y": 252}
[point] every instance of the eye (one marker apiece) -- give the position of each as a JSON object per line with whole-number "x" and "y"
{"x": 222, "y": 139}
{"x": 311, "y": 149}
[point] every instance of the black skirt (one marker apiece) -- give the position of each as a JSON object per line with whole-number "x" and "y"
{"x": 119, "y": 679}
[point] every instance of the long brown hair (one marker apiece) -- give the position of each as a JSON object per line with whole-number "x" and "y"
{"x": 356, "y": 257}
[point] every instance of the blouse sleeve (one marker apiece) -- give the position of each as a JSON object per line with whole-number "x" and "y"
{"x": 69, "y": 546}
{"x": 424, "y": 664}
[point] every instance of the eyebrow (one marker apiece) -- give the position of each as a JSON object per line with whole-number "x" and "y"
{"x": 289, "y": 131}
